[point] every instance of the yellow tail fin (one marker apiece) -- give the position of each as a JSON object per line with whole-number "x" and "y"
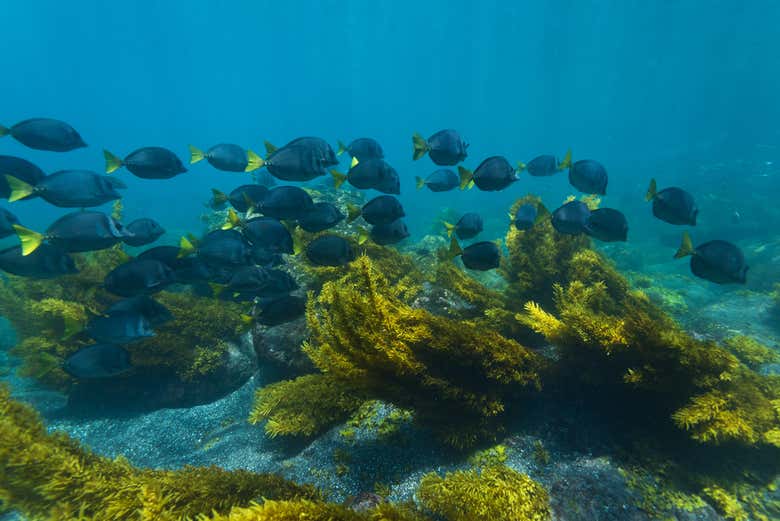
{"x": 338, "y": 178}
{"x": 420, "y": 182}
{"x": 196, "y": 154}
{"x": 219, "y": 197}
{"x": 297, "y": 237}
{"x": 354, "y": 162}
{"x": 450, "y": 228}
{"x": 233, "y": 220}
{"x": 217, "y": 289}
{"x": 112, "y": 162}
{"x": 4, "y": 131}
{"x": 420, "y": 146}
{"x": 466, "y": 176}
{"x": 30, "y": 239}
{"x": 342, "y": 148}
{"x": 651, "y": 191}
{"x": 521, "y": 166}
{"x": 71, "y": 326}
{"x": 270, "y": 148}
{"x": 686, "y": 247}
{"x": 566, "y": 163}
{"x": 185, "y": 248}
{"x": 353, "y": 212}
{"x": 19, "y": 189}
{"x": 247, "y": 319}
{"x": 363, "y": 235}
{"x": 455, "y": 248}
{"x": 253, "y": 161}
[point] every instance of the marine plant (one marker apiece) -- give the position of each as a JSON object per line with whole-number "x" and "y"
{"x": 495, "y": 492}
{"x": 454, "y": 375}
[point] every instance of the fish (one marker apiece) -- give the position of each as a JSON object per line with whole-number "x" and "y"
{"x": 526, "y": 216}
{"x": 673, "y": 205}
{"x": 374, "y": 174}
{"x": 138, "y": 277}
{"x": 588, "y": 176}
{"x": 468, "y": 226}
{"x": 275, "y": 311}
{"x": 98, "y": 361}
{"x": 144, "y": 230}
{"x": 226, "y": 157}
{"x": 247, "y": 196}
{"x": 442, "y": 180}
{"x": 69, "y": 189}
{"x": 119, "y": 327}
{"x": 382, "y": 209}
{"x": 546, "y": 165}
{"x": 45, "y": 134}
{"x": 219, "y": 248}
{"x": 150, "y": 309}
{"x": 186, "y": 270}
{"x": 362, "y": 148}
{"x": 607, "y": 224}
{"x": 286, "y": 202}
{"x": 570, "y": 219}
{"x": 324, "y": 152}
{"x": 481, "y": 256}
{"x": 45, "y": 262}
{"x": 268, "y": 233}
{"x": 445, "y": 147}
{"x": 20, "y": 169}
{"x": 7, "y": 221}
{"x": 390, "y": 233}
{"x": 322, "y": 217}
{"x": 75, "y": 232}
{"x": 147, "y": 163}
{"x": 330, "y": 250}
{"x": 218, "y": 200}
{"x": 493, "y": 174}
{"x": 717, "y": 261}
{"x": 261, "y": 282}
{"x": 295, "y": 163}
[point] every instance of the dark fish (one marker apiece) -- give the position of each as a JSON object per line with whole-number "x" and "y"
{"x": 262, "y": 282}
{"x": 323, "y": 216}
{"x": 45, "y": 134}
{"x": 718, "y": 261}
{"x": 374, "y": 174}
{"x": 493, "y": 174}
{"x": 98, "y": 361}
{"x": 324, "y": 152}
{"x": 153, "y": 311}
{"x": 218, "y": 200}
{"x": 268, "y": 233}
{"x": 119, "y": 327}
{"x": 588, "y": 176}
{"x": 76, "y": 232}
{"x": 468, "y": 226}
{"x": 147, "y": 163}
{"x": 138, "y": 277}
{"x": 144, "y": 230}
{"x": 382, "y": 209}
{"x": 265, "y": 257}
{"x": 275, "y": 311}
{"x": 295, "y": 163}
{"x": 389, "y": 233}
{"x": 20, "y": 169}
{"x": 264, "y": 178}
{"x": 526, "y": 215}
{"x": 546, "y": 165}
{"x": 442, "y": 180}
{"x": 247, "y": 196}
{"x": 219, "y": 248}
{"x": 7, "y": 221}
{"x": 227, "y": 157}
{"x": 445, "y": 147}
{"x": 286, "y": 202}
{"x": 673, "y": 205}
{"x": 330, "y": 250}
{"x": 45, "y": 262}
{"x": 362, "y": 148}
{"x": 480, "y": 256}
{"x": 186, "y": 270}
{"x": 607, "y": 224}
{"x": 69, "y": 189}
{"x": 571, "y": 218}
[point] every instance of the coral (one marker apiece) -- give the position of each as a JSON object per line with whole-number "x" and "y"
{"x": 751, "y": 352}
{"x": 305, "y": 406}
{"x": 455, "y": 376}
{"x": 496, "y": 492}
{"x": 50, "y": 476}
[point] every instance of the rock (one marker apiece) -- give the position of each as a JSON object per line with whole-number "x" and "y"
{"x": 281, "y": 345}
{"x": 365, "y": 501}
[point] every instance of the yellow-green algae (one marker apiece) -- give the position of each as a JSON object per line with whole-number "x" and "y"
{"x": 48, "y": 316}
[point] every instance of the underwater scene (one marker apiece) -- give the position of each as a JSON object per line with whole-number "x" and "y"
{"x": 390, "y": 260}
